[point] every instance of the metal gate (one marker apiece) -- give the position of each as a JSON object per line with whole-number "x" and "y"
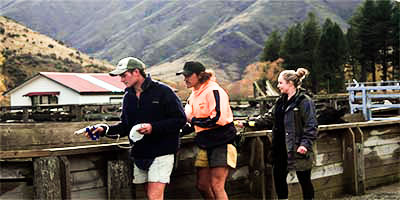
{"x": 373, "y": 95}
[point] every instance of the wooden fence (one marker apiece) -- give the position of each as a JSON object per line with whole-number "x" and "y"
{"x": 111, "y": 112}
{"x": 45, "y": 161}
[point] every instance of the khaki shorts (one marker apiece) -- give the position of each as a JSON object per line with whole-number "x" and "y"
{"x": 159, "y": 171}
{"x": 221, "y": 156}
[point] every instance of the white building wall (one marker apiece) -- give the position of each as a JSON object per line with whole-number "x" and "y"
{"x": 87, "y": 99}
{"x": 66, "y": 96}
{"x": 41, "y": 84}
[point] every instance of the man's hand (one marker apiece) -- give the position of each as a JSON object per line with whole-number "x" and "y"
{"x": 145, "y": 129}
{"x": 302, "y": 150}
{"x": 95, "y": 131}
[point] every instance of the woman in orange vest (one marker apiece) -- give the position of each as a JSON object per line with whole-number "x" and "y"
{"x": 209, "y": 113}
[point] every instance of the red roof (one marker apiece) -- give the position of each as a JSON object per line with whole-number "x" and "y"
{"x": 87, "y": 82}
{"x": 113, "y": 80}
{"x": 41, "y": 94}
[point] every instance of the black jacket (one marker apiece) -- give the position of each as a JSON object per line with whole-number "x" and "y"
{"x": 300, "y": 129}
{"x": 159, "y": 106}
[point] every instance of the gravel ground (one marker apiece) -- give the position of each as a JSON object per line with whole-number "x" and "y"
{"x": 387, "y": 192}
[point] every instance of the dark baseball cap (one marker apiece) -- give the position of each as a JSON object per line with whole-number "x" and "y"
{"x": 191, "y": 67}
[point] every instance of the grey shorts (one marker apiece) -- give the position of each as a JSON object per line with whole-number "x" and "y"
{"x": 160, "y": 170}
{"x": 221, "y": 156}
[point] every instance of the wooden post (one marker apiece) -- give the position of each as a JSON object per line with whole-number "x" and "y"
{"x": 47, "y": 184}
{"x": 119, "y": 176}
{"x": 65, "y": 178}
{"x": 257, "y": 169}
{"x": 25, "y": 114}
{"x": 359, "y": 139}
{"x": 350, "y": 162}
{"x": 78, "y": 113}
{"x": 269, "y": 177}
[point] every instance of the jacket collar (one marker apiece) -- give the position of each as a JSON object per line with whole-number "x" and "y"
{"x": 148, "y": 82}
{"x": 298, "y": 97}
{"x": 204, "y": 86}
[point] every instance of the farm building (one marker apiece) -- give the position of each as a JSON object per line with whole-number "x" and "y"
{"x": 67, "y": 88}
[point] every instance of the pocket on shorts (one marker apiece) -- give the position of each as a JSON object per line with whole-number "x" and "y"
{"x": 201, "y": 158}
{"x": 231, "y": 154}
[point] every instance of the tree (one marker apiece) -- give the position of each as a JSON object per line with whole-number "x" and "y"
{"x": 383, "y": 27}
{"x": 369, "y": 49}
{"x": 311, "y": 35}
{"x": 353, "y": 51}
{"x": 272, "y": 47}
{"x": 291, "y": 49}
{"x": 396, "y": 40}
{"x": 331, "y": 53}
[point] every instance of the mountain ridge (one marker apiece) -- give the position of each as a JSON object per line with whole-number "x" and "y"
{"x": 225, "y": 35}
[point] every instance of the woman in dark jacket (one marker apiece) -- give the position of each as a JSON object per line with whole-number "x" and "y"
{"x": 294, "y": 130}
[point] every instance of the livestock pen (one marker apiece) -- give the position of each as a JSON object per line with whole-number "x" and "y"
{"x": 46, "y": 161}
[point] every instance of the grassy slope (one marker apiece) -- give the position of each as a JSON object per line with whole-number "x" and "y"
{"x": 225, "y": 35}
{"x": 25, "y": 52}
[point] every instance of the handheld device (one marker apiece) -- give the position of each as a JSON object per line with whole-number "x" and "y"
{"x": 88, "y": 130}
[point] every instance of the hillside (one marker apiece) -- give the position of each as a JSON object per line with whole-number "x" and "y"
{"x": 225, "y": 35}
{"x": 25, "y": 52}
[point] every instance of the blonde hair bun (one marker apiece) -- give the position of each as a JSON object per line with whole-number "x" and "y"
{"x": 302, "y": 73}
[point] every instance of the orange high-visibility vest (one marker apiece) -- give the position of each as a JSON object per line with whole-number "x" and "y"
{"x": 210, "y": 105}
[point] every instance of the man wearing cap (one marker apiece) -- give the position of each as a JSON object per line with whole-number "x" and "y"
{"x": 209, "y": 113}
{"x": 160, "y": 114}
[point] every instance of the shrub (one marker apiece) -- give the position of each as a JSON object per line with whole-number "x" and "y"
{"x": 51, "y": 46}
{"x": 53, "y": 56}
{"x": 6, "y": 52}
{"x": 12, "y": 35}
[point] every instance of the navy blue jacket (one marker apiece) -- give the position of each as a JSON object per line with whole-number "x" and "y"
{"x": 159, "y": 106}
{"x": 300, "y": 129}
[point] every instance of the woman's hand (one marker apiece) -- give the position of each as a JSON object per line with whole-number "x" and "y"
{"x": 302, "y": 150}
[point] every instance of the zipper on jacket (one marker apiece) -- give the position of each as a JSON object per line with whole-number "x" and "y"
{"x": 138, "y": 100}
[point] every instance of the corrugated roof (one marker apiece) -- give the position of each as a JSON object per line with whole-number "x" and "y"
{"x": 87, "y": 82}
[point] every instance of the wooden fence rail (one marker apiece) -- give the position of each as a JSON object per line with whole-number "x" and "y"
{"x": 43, "y": 158}
{"x": 111, "y": 112}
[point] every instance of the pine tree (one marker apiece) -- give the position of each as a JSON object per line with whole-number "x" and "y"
{"x": 369, "y": 49}
{"x": 353, "y": 51}
{"x": 363, "y": 22}
{"x": 340, "y": 46}
{"x": 311, "y": 35}
{"x": 323, "y": 52}
{"x": 272, "y": 47}
{"x": 384, "y": 29}
{"x": 291, "y": 49}
{"x": 396, "y": 40}
{"x": 331, "y": 53}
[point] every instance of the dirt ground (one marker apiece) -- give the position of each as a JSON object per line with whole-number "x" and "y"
{"x": 387, "y": 192}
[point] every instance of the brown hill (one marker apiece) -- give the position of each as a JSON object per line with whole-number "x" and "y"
{"x": 25, "y": 52}
{"x": 225, "y": 35}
